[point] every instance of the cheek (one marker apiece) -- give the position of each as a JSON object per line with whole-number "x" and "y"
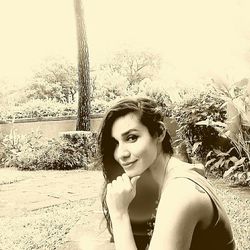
{"x": 115, "y": 154}
{"x": 146, "y": 149}
{"x": 150, "y": 154}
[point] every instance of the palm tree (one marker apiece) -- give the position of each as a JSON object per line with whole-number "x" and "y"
{"x": 83, "y": 113}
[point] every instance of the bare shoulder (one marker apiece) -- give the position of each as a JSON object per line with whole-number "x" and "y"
{"x": 189, "y": 198}
{"x": 181, "y": 165}
{"x": 184, "y": 191}
{"x": 184, "y": 206}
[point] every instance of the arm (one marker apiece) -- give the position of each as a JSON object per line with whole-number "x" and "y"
{"x": 120, "y": 193}
{"x": 123, "y": 236}
{"x": 180, "y": 209}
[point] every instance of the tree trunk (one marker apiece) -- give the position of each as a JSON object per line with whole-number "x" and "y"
{"x": 83, "y": 112}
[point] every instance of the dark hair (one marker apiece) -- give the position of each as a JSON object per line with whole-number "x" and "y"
{"x": 150, "y": 115}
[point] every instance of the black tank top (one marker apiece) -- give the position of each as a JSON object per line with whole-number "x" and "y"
{"x": 218, "y": 236}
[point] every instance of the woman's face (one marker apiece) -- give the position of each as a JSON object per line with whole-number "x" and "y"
{"x": 136, "y": 150}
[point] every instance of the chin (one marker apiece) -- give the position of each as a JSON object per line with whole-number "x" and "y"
{"x": 132, "y": 173}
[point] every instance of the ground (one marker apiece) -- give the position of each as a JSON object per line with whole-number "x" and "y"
{"x": 62, "y": 210}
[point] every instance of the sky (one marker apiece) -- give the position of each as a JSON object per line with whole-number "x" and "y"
{"x": 196, "y": 38}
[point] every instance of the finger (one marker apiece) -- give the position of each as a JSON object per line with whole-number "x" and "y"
{"x": 113, "y": 186}
{"x": 118, "y": 182}
{"x": 117, "y": 185}
{"x": 134, "y": 180}
{"x": 113, "y": 183}
{"x": 119, "y": 179}
{"x": 127, "y": 181}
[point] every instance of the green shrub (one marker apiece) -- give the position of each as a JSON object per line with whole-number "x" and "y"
{"x": 16, "y": 146}
{"x": 37, "y": 109}
{"x": 33, "y": 152}
{"x": 48, "y": 108}
{"x": 2, "y": 150}
{"x": 79, "y": 140}
{"x": 236, "y": 130}
{"x": 199, "y": 139}
{"x": 228, "y": 166}
{"x": 99, "y": 106}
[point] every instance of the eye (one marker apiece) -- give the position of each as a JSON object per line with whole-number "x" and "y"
{"x": 132, "y": 138}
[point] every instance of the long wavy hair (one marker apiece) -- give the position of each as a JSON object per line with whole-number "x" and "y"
{"x": 150, "y": 115}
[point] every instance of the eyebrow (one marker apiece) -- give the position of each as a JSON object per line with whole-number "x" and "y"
{"x": 129, "y": 131}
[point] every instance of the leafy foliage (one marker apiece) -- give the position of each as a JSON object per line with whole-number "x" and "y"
{"x": 237, "y": 130}
{"x": 133, "y": 66}
{"x": 33, "y": 152}
{"x": 127, "y": 73}
{"x": 55, "y": 80}
{"x": 226, "y": 165}
{"x": 199, "y": 139}
{"x": 38, "y": 109}
{"x": 107, "y": 86}
{"x": 2, "y": 150}
{"x": 157, "y": 92}
{"x": 84, "y": 140}
{"x": 214, "y": 125}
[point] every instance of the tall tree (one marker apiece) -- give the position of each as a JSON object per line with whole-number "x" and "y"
{"x": 83, "y": 115}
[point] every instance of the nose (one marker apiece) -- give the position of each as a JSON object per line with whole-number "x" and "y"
{"x": 121, "y": 152}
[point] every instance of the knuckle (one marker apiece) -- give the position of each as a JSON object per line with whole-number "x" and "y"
{"x": 119, "y": 178}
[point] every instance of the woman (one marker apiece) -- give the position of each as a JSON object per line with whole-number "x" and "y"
{"x": 152, "y": 200}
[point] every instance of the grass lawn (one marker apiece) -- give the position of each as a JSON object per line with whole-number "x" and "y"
{"x": 236, "y": 201}
{"x": 46, "y": 228}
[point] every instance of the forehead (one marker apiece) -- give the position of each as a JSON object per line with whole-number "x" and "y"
{"x": 125, "y": 123}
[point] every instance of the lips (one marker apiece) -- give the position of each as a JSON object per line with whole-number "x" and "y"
{"x": 127, "y": 164}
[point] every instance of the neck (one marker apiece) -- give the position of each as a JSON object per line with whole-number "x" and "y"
{"x": 158, "y": 170}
